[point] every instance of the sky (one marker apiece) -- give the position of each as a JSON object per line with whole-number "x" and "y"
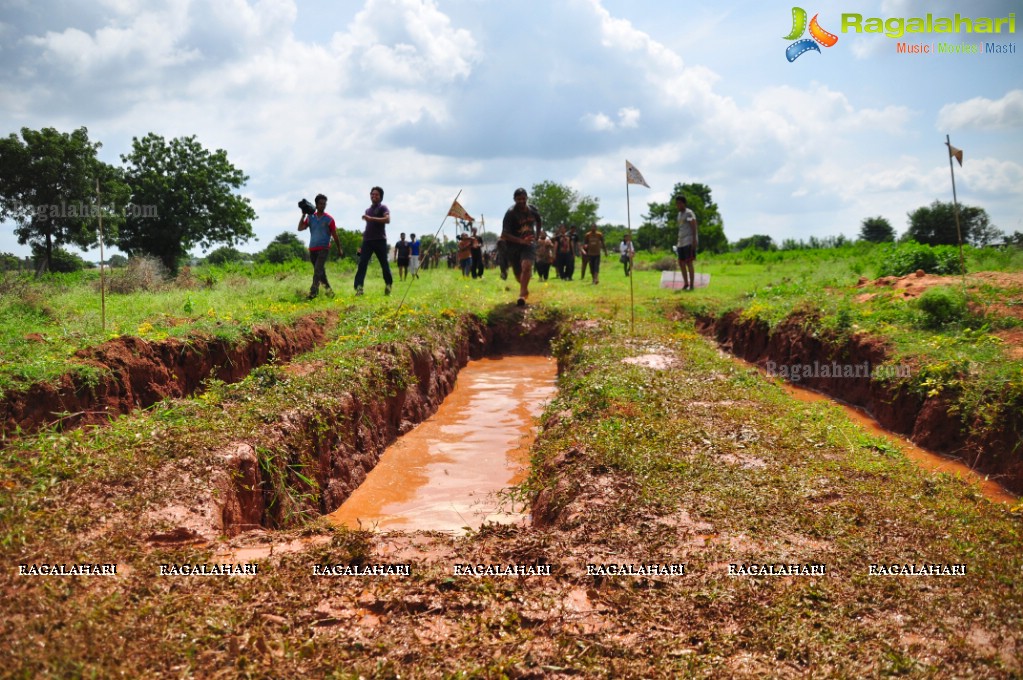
{"x": 436, "y": 98}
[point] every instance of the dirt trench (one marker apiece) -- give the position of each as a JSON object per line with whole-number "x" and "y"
{"x": 128, "y": 372}
{"x": 990, "y": 448}
{"x": 338, "y": 447}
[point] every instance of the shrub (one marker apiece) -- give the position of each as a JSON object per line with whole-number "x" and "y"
{"x": 143, "y": 273}
{"x": 908, "y": 257}
{"x": 942, "y": 305}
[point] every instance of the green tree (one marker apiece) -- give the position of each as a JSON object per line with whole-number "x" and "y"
{"x": 182, "y": 196}
{"x": 935, "y": 225}
{"x": 60, "y": 260}
{"x": 756, "y": 242}
{"x": 351, "y": 241}
{"x": 876, "y": 230}
{"x": 660, "y": 226}
{"x": 48, "y": 182}
{"x": 224, "y": 255}
{"x": 117, "y": 261}
{"x": 285, "y": 247}
{"x": 560, "y": 204}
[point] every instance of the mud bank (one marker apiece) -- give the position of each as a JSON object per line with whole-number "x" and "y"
{"x": 311, "y": 460}
{"x": 991, "y": 448}
{"x": 127, "y": 373}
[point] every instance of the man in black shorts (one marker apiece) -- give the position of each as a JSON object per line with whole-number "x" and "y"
{"x": 522, "y": 223}
{"x": 402, "y": 250}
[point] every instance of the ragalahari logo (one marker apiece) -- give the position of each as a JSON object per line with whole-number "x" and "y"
{"x": 819, "y": 35}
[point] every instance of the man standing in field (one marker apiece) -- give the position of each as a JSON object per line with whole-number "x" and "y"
{"x": 522, "y": 224}
{"x": 414, "y": 257}
{"x": 593, "y": 244}
{"x": 688, "y": 240}
{"x": 401, "y": 256}
{"x": 321, "y": 230}
{"x": 374, "y": 240}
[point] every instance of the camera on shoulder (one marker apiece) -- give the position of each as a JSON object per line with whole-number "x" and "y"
{"x": 306, "y": 207}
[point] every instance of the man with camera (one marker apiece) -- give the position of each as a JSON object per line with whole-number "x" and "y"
{"x": 322, "y": 229}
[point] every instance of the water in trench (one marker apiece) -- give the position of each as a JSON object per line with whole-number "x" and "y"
{"x": 447, "y": 472}
{"x": 922, "y": 457}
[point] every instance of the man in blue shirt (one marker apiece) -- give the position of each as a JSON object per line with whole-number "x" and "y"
{"x": 322, "y": 229}
{"x": 415, "y": 257}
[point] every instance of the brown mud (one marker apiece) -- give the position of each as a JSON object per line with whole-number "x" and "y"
{"x": 444, "y": 474}
{"x": 342, "y": 444}
{"x": 128, "y": 372}
{"x": 993, "y": 450}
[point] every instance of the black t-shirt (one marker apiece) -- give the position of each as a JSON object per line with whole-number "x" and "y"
{"x": 403, "y": 248}
{"x": 522, "y": 224}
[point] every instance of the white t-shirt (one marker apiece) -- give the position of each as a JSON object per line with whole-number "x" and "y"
{"x": 686, "y": 219}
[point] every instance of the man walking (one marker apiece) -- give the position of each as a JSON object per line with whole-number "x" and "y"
{"x": 322, "y": 229}
{"x": 374, "y": 241}
{"x": 593, "y": 245}
{"x": 521, "y": 226}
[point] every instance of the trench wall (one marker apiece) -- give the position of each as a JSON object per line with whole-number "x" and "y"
{"x": 992, "y": 448}
{"x": 129, "y": 373}
{"x": 342, "y": 444}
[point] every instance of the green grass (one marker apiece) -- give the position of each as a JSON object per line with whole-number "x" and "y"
{"x": 703, "y": 462}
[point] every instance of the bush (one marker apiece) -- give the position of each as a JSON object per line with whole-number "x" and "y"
{"x": 908, "y": 257}
{"x": 942, "y": 305}
{"x": 143, "y": 273}
{"x": 61, "y": 261}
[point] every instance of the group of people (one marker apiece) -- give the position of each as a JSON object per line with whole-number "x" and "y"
{"x": 523, "y": 243}
{"x": 323, "y": 229}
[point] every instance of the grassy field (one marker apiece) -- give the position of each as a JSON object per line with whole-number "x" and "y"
{"x": 699, "y": 461}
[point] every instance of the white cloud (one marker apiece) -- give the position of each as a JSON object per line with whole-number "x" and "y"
{"x": 981, "y": 113}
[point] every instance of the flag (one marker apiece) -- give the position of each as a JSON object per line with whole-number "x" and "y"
{"x": 634, "y": 176}
{"x": 956, "y": 154}
{"x": 458, "y": 212}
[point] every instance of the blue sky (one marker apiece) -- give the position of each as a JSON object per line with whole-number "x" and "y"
{"x": 429, "y": 98}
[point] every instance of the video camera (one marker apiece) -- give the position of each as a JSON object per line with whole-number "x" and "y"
{"x": 306, "y": 207}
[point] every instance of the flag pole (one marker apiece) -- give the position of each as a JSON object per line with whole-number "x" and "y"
{"x": 435, "y": 235}
{"x": 102, "y": 262}
{"x": 632, "y": 273}
{"x": 955, "y": 205}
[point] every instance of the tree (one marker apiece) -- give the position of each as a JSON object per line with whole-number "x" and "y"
{"x": 756, "y": 242}
{"x": 182, "y": 196}
{"x": 660, "y": 227}
{"x": 61, "y": 261}
{"x": 876, "y": 230}
{"x": 560, "y": 204}
{"x": 935, "y": 225}
{"x": 225, "y": 255}
{"x": 48, "y": 187}
{"x": 285, "y": 247}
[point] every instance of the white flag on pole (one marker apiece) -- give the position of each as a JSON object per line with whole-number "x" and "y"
{"x": 634, "y": 176}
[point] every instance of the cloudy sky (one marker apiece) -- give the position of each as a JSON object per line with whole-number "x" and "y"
{"x": 431, "y": 97}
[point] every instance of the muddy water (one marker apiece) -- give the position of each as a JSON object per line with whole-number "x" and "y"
{"x": 922, "y": 457}
{"x": 444, "y": 474}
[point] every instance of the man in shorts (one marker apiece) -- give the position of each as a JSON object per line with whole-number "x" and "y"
{"x": 522, "y": 224}
{"x": 401, "y": 257}
{"x": 688, "y": 240}
{"x": 593, "y": 245}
